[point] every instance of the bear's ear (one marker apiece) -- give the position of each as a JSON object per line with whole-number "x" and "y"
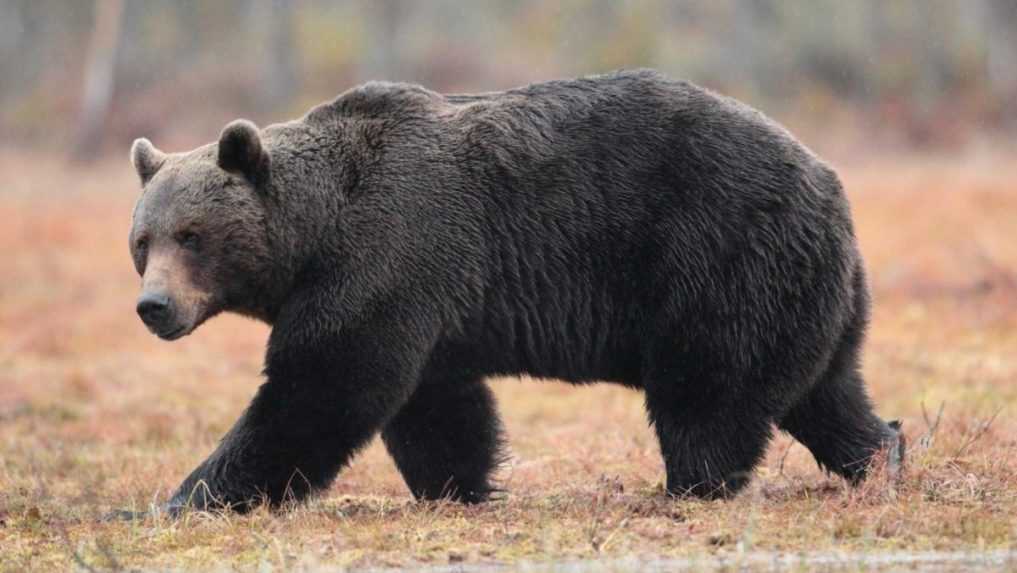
{"x": 146, "y": 159}
{"x": 240, "y": 151}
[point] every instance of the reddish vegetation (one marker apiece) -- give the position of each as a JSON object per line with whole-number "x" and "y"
{"x": 95, "y": 413}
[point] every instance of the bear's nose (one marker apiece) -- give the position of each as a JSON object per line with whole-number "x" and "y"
{"x": 153, "y": 308}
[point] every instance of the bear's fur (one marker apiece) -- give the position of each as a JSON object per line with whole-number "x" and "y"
{"x": 405, "y": 245}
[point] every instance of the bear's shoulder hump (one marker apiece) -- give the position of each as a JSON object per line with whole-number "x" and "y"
{"x": 378, "y": 100}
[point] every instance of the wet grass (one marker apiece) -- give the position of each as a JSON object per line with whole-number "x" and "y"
{"x": 96, "y": 414}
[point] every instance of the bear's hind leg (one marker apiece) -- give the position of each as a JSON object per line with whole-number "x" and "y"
{"x": 446, "y": 440}
{"x": 710, "y": 449}
{"x": 835, "y": 419}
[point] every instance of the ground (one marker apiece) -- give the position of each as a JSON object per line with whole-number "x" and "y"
{"x": 97, "y": 414}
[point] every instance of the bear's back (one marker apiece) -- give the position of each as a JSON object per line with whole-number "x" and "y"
{"x": 632, "y": 197}
{"x": 594, "y": 204}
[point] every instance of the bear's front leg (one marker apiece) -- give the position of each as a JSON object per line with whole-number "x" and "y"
{"x": 330, "y": 388}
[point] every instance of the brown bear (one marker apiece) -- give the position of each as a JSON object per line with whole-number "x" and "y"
{"x": 405, "y": 245}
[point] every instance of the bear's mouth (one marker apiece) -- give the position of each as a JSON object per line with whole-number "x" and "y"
{"x": 173, "y": 334}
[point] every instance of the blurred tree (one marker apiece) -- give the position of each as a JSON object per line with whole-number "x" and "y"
{"x": 99, "y": 80}
{"x": 281, "y": 79}
{"x": 12, "y": 29}
{"x": 383, "y": 58}
{"x": 1002, "y": 52}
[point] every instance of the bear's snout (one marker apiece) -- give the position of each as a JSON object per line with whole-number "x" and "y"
{"x": 156, "y": 311}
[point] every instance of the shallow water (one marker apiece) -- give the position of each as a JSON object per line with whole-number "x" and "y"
{"x": 940, "y": 562}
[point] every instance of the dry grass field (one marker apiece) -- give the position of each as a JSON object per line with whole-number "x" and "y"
{"x": 97, "y": 414}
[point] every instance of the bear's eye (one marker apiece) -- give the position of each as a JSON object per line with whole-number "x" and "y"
{"x": 141, "y": 245}
{"x": 189, "y": 240}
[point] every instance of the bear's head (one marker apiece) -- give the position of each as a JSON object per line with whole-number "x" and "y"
{"x": 200, "y": 237}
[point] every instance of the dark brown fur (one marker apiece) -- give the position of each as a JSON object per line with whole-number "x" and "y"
{"x": 405, "y": 245}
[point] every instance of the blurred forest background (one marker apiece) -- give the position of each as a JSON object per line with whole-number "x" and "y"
{"x": 89, "y": 76}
